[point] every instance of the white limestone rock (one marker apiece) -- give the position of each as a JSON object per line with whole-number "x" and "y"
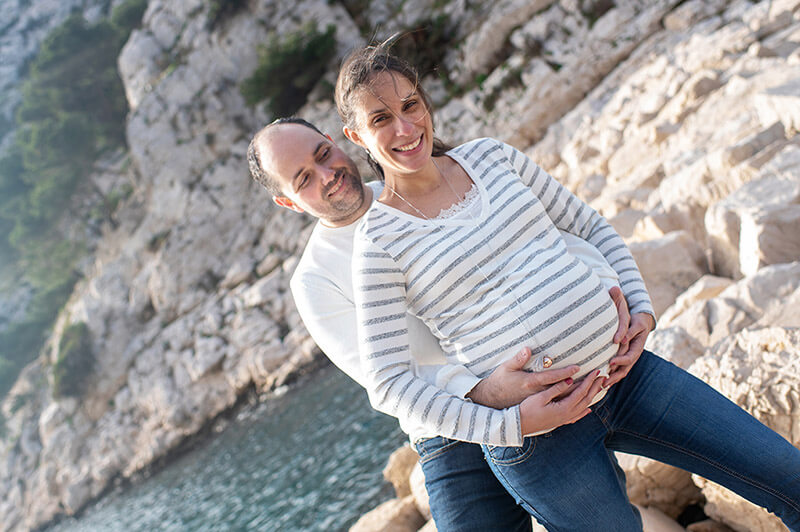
{"x": 706, "y": 287}
{"x": 656, "y": 485}
{"x": 759, "y": 369}
{"x": 416, "y": 483}
{"x": 755, "y": 226}
{"x": 690, "y": 13}
{"x": 398, "y": 470}
{"x": 669, "y": 265}
{"x": 394, "y": 515}
{"x": 676, "y": 345}
{"x": 767, "y": 295}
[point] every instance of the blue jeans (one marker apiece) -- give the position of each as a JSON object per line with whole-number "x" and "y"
{"x": 569, "y": 479}
{"x": 464, "y": 494}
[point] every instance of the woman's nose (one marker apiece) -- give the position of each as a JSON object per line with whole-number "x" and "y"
{"x": 403, "y": 126}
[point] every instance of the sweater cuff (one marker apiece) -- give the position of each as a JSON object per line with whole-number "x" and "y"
{"x": 460, "y": 385}
{"x": 514, "y": 427}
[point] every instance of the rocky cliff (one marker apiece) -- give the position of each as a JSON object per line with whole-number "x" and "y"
{"x": 677, "y": 120}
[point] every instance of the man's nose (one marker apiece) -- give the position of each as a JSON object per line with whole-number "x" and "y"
{"x": 328, "y": 174}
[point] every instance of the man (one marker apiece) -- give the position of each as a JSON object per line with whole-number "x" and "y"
{"x": 306, "y": 172}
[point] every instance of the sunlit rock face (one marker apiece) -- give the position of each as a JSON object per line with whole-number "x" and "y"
{"x": 676, "y": 120}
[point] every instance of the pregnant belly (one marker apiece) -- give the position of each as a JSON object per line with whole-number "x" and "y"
{"x": 585, "y": 338}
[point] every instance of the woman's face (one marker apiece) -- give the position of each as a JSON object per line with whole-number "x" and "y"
{"x": 394, "y": 124}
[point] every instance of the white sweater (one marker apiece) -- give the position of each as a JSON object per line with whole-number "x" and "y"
{"x": 486, "y": 288}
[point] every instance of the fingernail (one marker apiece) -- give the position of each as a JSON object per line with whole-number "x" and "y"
{"x": 569, "y": 381}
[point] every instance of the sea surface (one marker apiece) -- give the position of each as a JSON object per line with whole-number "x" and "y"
{"x": 310, "y": 460}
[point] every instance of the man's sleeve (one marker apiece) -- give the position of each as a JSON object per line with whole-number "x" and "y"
{"x": 571, "y": 214}
{"x": 330, "y": 317}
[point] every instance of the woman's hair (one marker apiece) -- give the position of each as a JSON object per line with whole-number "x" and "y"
{"x": 357, "y": 73}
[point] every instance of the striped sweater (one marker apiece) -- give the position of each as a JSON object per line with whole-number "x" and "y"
{"x": 486, "y": 288}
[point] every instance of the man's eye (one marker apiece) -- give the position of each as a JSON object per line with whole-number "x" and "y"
{"x": 303, "y": 182}
{"x": 324, "y": 154}
{"x": 380, "y": 119}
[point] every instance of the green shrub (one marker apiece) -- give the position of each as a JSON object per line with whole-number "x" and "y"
{"x": 221, "y": 10}
{"x": 425, "y": 44}
{"x": 73, "y": 108}
{"x": 75, "y": 362}
{"x": 128, "y": 15}
{"x": 289, "y": 68}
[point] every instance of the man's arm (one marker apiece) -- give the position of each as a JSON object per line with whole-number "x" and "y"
{"x": 330, "y": 317}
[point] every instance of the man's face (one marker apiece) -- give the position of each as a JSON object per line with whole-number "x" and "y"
{"x": 315, "y": 175}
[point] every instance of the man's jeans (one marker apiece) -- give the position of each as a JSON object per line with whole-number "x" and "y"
{"x": 464, "y": 494}
{"x": 569, "y": 480}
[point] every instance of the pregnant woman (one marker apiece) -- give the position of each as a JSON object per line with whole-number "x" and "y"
{"x": 468, "y": 239}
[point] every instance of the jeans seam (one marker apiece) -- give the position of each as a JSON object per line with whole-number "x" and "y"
{"x": 721, "y": 467}
{"x": 433, "y": 454}
{"x": 520, "y": 500}
{"x": 519, "y": 459}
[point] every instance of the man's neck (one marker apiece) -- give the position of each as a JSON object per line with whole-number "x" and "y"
{"x": 365, "y": 205}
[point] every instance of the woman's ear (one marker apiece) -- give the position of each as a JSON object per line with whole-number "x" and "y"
{"x": 352, "y": 136}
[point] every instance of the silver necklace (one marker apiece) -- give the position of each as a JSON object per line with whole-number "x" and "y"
{"x": 441, "y": 174}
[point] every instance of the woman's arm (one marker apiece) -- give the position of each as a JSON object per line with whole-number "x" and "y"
{"x": 379, "y": 292}
{"x": 571, "y": 214}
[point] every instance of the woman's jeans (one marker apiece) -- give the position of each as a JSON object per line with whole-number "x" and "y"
{"x": 464, "y": 494}
{"x": 569, "y": 479}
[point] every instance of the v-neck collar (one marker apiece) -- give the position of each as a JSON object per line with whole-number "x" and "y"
{"x": 457, "y": 221}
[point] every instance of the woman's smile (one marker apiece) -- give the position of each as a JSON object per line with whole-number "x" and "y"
{"x": 411, "y": 145}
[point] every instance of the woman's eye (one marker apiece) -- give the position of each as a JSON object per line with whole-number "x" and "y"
{"x": 303, "y": 182}
{"x": 379, "y": 119}
{"x": 324, "y": 154}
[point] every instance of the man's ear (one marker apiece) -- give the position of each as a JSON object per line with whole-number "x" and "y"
{"x": 352, "y": 136}
{"x": 286, "y": 203}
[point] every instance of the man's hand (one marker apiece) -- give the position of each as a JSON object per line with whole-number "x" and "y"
{"x": 545, "y": 410}
{"x": 509, "y": 384}
{"x": 641, "y": 325}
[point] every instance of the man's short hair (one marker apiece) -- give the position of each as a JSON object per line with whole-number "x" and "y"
{"x": 270, "y": 182}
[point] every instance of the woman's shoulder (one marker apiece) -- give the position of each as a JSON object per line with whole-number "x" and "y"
{"x": 480, "y": 148}
{"x": 377, "y": 219}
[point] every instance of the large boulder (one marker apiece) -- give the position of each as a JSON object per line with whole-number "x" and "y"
{"x": 706, "y": 287}
{"x": 756, "y": 225}
{"x": 759, "y": 369}
{"x": 767, "y": 298}
{"x": 653, "y": 484}
{"x": 669, "y": 265}
{"x": 398, "y": 469}
{"x": 416, "y": 483}
{"x": 395, "y": 515}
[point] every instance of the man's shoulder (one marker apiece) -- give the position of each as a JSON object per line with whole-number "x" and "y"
{"x": 327, "y": 249}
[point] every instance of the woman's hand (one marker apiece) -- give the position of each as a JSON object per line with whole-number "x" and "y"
{"x": 641, "y": 325}
{"x": 545, "y": 410}
{"x": 620, "y": 337}
{"x": 509, "y": 384}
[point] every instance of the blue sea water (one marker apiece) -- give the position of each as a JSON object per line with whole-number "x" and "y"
{"x": 309, "y": 460}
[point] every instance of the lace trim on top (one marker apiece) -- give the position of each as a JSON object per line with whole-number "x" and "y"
{"x": 460, "y": 208}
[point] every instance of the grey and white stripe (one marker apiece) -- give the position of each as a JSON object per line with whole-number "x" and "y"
{"x": 486, "y": 288}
